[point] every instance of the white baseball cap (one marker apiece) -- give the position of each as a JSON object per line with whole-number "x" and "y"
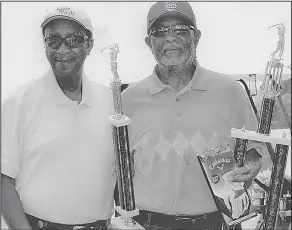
{"x": 69, "y": 13}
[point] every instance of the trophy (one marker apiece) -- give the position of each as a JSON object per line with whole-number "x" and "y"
{"x": 269, "y": 89}
{"x": 124, "y": 163}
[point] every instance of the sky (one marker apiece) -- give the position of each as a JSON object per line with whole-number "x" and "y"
{"x": 235, "y": 39}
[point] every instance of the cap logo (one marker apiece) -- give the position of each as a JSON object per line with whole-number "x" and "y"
{"x": 170, "y": 6}
{"x": 65, "y": 11}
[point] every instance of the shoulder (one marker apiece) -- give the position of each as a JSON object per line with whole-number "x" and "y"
{"x": 26, "y": 95}
{"x": 100, "y": 95}
{"x": 222, "y": 83}
{"x": 137, "y": 89}
{"x": 100, "y": 90}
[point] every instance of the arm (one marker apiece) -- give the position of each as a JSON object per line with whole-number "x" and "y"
{"x": 12, "y": 211}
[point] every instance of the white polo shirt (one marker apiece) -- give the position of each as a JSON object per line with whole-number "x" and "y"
{"x": 60, "y": 153}
{"x": 168, "y": 131}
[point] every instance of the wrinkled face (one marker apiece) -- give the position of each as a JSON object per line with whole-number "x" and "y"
{"x": 175, "y": 46}
{"x": 67, "y": 46}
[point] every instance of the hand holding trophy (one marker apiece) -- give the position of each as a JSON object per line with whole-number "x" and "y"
{"x": 269, "y": 89}
{"x": 124, "y": 169}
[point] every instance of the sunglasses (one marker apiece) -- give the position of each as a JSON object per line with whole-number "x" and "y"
{"x": 180, "y": 30}
{"x": 71, "y": 41}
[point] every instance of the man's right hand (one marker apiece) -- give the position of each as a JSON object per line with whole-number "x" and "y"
{"x": 12, "y": 210}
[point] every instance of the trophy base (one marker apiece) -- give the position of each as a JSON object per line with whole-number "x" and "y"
{"x": 123, "y": 223}
{"x": 252, "y": 135}
{"x": 127, "y": 214}
{"x": 285, "y": 214}
{"x": 120, "y": 122}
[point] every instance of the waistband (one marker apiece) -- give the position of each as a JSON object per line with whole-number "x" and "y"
{"x": 177, "y": 221}
{"x": 36, "y": 222}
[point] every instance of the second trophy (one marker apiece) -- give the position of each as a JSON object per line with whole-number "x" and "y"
{"x": 124, "y": 165}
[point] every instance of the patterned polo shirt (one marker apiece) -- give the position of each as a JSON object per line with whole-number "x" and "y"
{"x": 170, "y": 129}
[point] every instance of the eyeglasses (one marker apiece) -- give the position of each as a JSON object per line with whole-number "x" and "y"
{"x": 180, "y": 30}
{"x": 71, "y": 41}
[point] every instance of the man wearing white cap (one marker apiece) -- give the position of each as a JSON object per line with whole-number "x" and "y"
{"x": 58, "y": 169}
{"x": 179, "y": 112}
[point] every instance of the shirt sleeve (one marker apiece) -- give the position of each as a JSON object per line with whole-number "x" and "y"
{"x": 10, "y": 156}
{"x": 247, "y": 118}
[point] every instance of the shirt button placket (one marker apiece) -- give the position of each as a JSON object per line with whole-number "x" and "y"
{"x": 177, "y": 114}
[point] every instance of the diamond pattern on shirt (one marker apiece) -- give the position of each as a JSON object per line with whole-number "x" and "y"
{"x": 214, "y": 141}
{"x": 163, "y": 147}
{"x": 181, "y": 144}
{"x": 198, "y": 143}
{"x": 145, "y": 160}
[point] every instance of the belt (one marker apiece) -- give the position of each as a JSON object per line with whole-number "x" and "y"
{"x": 177, "y": 221}
{"x": 44, "y": 224}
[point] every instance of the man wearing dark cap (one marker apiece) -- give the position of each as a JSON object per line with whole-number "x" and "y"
{"x": 180, "y": 111}
{"x": 57, "y": 157}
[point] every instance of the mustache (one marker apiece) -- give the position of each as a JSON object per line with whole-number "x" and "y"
{"x": 65, "y": 57}
{"x": 172, "y": 47}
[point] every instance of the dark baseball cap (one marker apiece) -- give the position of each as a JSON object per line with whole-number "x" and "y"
{"x": 179, "y": 9}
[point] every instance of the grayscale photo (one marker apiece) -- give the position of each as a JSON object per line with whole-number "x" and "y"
{"x": 145, "y": 115}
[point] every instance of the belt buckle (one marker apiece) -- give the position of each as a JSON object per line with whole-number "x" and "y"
{"x": 83, "y": 227}
{"x": 181, "y": 218}
{"x": 78, "y": 227}
{"x": 192, "y": 219}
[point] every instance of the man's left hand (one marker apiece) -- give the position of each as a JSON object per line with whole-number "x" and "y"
{"x": 251, "y": 168}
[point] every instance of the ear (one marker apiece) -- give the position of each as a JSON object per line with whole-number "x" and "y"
{"x": 89, "y": 46}
{"x": 148, "y": 42}
{"x": 197, "y": 37}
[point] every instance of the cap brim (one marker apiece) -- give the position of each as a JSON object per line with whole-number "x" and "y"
{"x": 48, "y": 20}
{"x": 173, "y": 13}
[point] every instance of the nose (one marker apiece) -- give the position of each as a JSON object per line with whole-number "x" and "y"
{"x": 63, "y": 48}
{"x": 170, "y": 36}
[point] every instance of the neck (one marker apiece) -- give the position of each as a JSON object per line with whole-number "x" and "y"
{"x": 71, "y": 85}
{"x": 176, "y": 76}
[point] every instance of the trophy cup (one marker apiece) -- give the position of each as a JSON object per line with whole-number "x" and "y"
{"x": 269, "y": 89}
{"x": 124, "y": 167}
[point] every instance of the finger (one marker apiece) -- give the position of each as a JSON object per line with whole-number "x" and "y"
{"x": 241, "y": 170}
{"x": 241, "y": 178}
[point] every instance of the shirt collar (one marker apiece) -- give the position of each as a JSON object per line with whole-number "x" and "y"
{"x": 155, "y": 83}
{"x": 59, "y": 98}
{"x": 197, "y": 82}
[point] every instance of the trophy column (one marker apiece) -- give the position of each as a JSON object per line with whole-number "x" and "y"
{"x": 124, "y": 167}
{"x": 270, "y": 89}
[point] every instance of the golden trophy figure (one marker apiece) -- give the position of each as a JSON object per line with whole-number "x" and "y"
{"x": 124, "y": 167}
{"x": 269, "y": 89}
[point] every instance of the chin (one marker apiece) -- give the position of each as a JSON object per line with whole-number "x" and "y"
{"x": 171, "y": 63}
{"x": 174, "y": 61}
{"x": 65, "y": 71}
